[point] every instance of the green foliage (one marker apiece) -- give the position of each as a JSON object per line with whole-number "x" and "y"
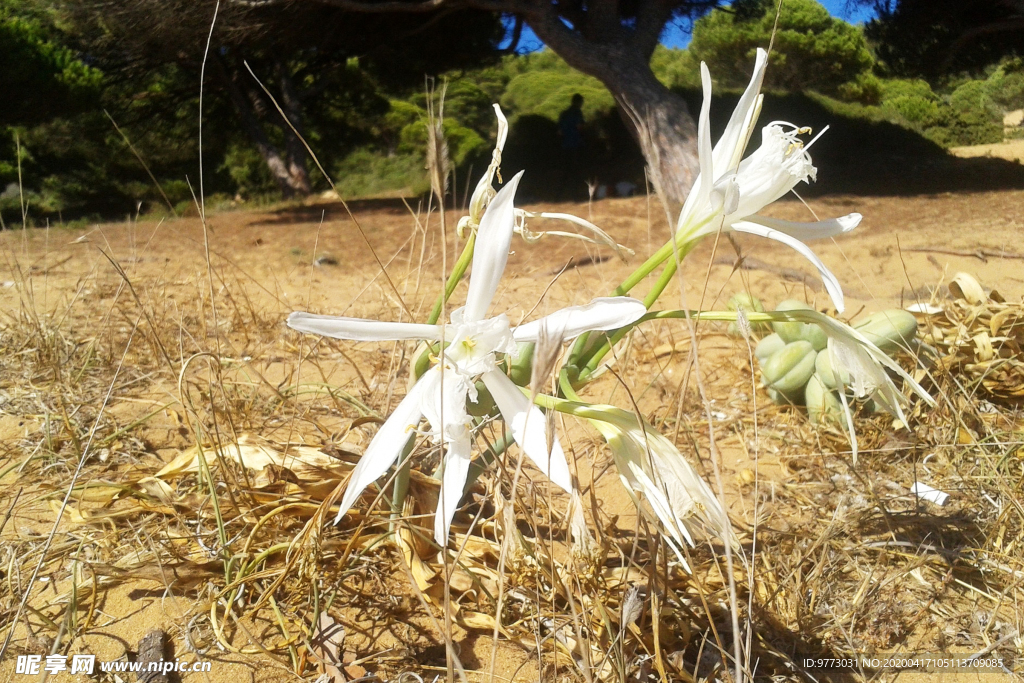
{"x": 545, "y": 85}
{"x": 811, "y": 50}
{"x": 368, "y": 173}
{"x": 914, "y": 109}
{"x": 367, "y": 120}
{"x": 38, "y": 76}
{"x": 677, "y": 69}
{"x": 245, "y": 167}
{"x": 1005, "y": 85}
{"x": 968, "y": 116}
{"x": 904, "y": 87}
{"x": 866, "y": 88}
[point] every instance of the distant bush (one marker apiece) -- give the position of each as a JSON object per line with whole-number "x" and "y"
{"x": 1005, "y": 85}
{"x": 914, "y": 109}
{"x": 866, "y": 88}
{"x": 967, "y": 116}
{"x": 548, "y": 92}
{"x": 368, "y": 173}
{"x": 892, "y": 88}
{"x": 246, "y": 168}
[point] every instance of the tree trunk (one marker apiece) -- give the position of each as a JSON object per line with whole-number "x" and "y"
{"x": 657, "y": 115}
{"x": 294, "y": 149}
{"x": 664, "y": 129}
{"x": 246, "y": 103}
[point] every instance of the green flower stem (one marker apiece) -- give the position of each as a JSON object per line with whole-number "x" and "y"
{"x": 589, "y": 359}
{"x": 565, "y": 384}
{"x": 401, "y": 485}
{"x": 717, "y": 316}
{"x": 453, "y": 280}
{"x": 682, "y": 244}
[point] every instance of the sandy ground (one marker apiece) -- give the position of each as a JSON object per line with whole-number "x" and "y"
{"x": 905, "y": 248}
{"x": 1011, "y": 150}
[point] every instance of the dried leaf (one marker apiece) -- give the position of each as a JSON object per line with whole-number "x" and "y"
{"x": 327, "y": 641}
{"x": 306, "y": 462}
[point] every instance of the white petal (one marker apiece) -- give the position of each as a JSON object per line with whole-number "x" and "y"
{"x": 604, "y": 313}
{"x": 810, "y": 231}
{"x": 456, "y": 469}
{"x": 359, "y": 329}
{"x": 527, "y": 424}
{"x": 387, "y": 444}
{"x": 698, "y": 201}
{"x": 830, "y": 280}
{"x": 704, "y": 150}
{"x": 493, "y": 238}
{"x": 730, "y": 147}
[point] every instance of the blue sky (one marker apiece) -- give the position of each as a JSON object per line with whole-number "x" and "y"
{"x": 679, "y": 36}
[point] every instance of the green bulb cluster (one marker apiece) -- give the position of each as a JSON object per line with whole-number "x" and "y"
{"x": 797, "y": 369}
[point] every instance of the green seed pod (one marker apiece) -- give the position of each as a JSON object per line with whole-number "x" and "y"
{"x": 522, "y": 368}
{"x": 767, "y": 346}
{"x": 484, "y": 404}
{"x": 824, "y": 368}
{"x": 422, "y": 363}
{"x": 749, "y": 304}
{"x": 889, "y": 330}
{"x": 794, "y": 331}
{"x": 823, "y": 405}
{"x": 789, "y": 368}
{"x": 746, "y": 302}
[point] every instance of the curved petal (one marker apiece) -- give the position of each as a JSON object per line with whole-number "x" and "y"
{"x": 830, "y": 280}
{"x": 698, "y": 201}
{"x": 603, "y": 313}
{"x": 388, "y": 443}
{"x": 810, "y": 231}
{"x": 456, "y": 470}
{"x": 493, "y": 238}
{"x": 527, "y": 424}
{"x": 358, "y": 329}
{"x": 730, "y": 147}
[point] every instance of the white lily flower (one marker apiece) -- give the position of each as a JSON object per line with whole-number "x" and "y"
{"x": 728, "y": 193}
{"x": 484, "y": 193}
{"x": 650, "y": 465}
{"x": 474, "y": 343}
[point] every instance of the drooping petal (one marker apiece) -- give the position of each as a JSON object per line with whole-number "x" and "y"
{"x": 603, "y": 313}
{"x": 830, "y": 280}
{"x": 387, "y": 444}
{"x": 527, "y": 424}
{"x": 453, "y": 483}
{"x": 810, "y": 231}
{"x": 484, "y": 190}
{"x": 358, "y": 329}
{"x": 730, "y": 147}
{"x": 493, "y": 239}
{"x": 650, "y": 465}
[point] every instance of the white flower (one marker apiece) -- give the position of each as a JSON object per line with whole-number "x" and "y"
{"x": 729, "y": 192}
{"x": 484, "y": 193}
{"x": 650, "y": 465}
{"x": 474, "y": 342}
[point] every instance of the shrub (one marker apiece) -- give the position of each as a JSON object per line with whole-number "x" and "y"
{"x": 914, "y": 109}
{"x": 367, "y": 173}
